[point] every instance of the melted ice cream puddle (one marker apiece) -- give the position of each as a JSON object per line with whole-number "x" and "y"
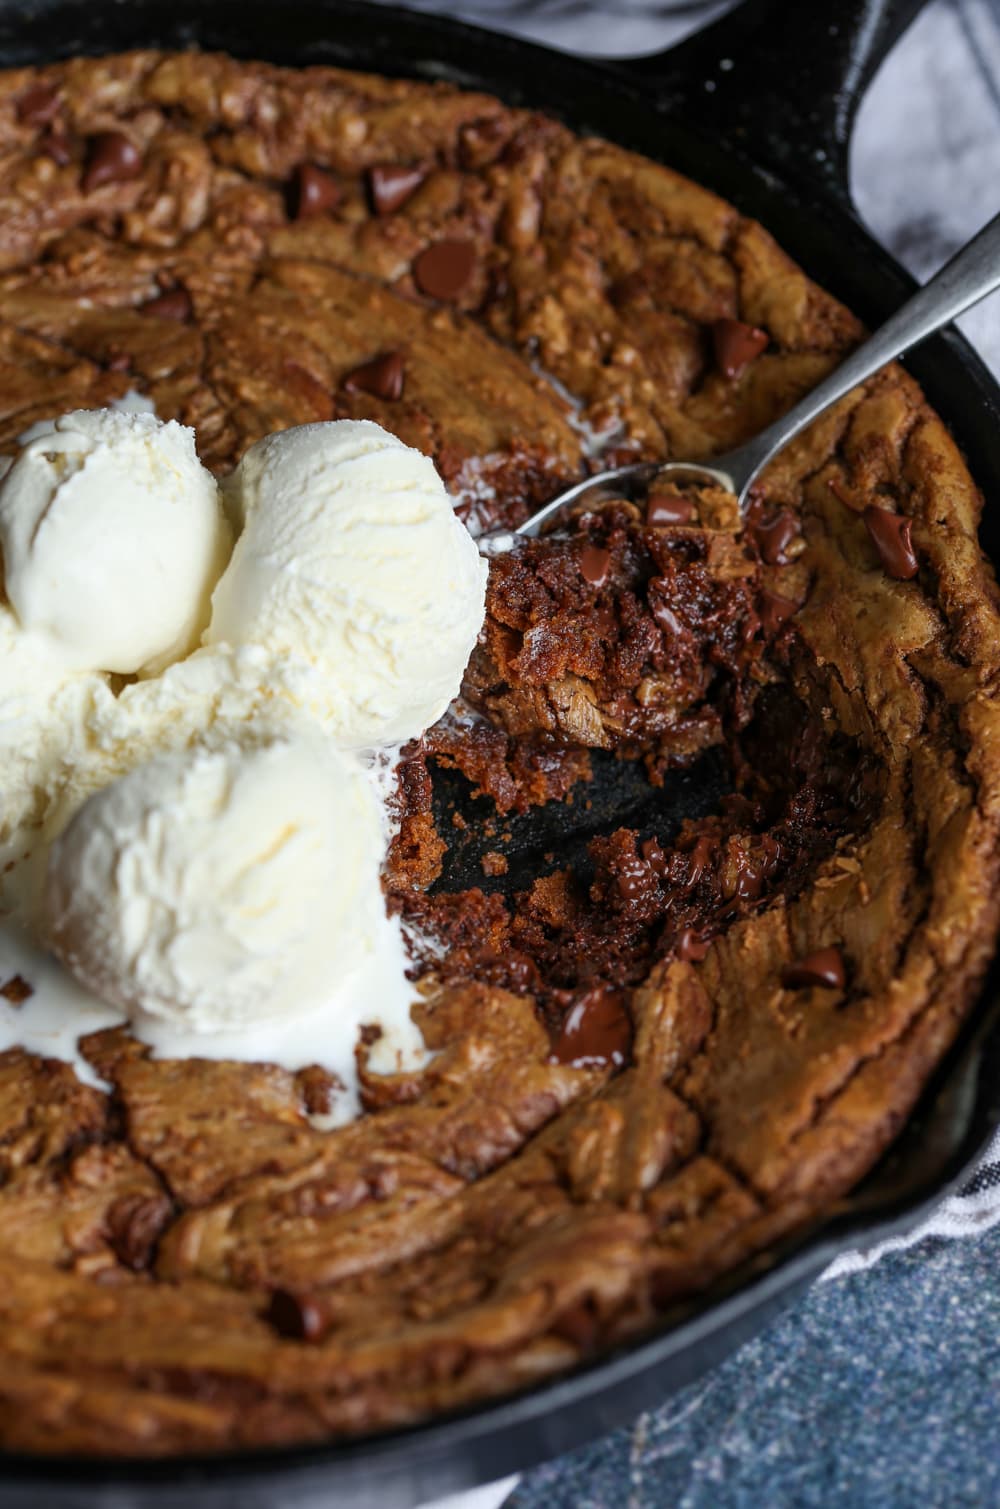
{"x": 60, "y": 1012}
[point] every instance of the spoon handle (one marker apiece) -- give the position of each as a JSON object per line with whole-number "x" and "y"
{"x": 970, "y": 275}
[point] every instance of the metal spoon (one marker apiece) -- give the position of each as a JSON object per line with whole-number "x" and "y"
{"x": 970, "y": 275}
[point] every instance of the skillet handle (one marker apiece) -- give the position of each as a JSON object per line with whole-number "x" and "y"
{"x": 780, "y": 81}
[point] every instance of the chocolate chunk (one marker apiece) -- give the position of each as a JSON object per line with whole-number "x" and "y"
{"x": 57, "y": 146}
{"x": 821, "y": 970}
{"x": 134, "y": 1226}
{"x": 890, "y": 534}
{"x": 736, "y": 345}
{"x": 111, "y": 158}
{"x": 596, "y": 1031}
{"x": 774, "y": 535}
{"x": 38, "y": 105}
{"x": 174, "y": 304}
{"x": 751, "y": 623}
{"x": 652, "y": 852}
{"x": 595, "y": 564}
{"x": 749, "y": 879}
{"x": 690, "y": 946}
{"x": 666, "y": 509}
{"x": 314, "y": 192}
{"x": 16, "y": 990}
{"x": 663, "y": 614}
{"x": 634, "y": 880}
{"x": 391, "y": 185}
{"x": 443, "y": 270}
{"x": 699, "y": 860}
{"x": 775, "y": 611}
{"x": 297, "y": 1316}
{"x": 382, "y": 377}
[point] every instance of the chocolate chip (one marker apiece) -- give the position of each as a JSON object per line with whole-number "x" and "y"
{"x": 890, "y": 534}
{"x": 111, "y": 158}
{"x": 16, "y": 990}
{"x": 775, "y": 611}
{"x": 699, "y": 860}
{"x": 382, "y": 377}
{"x": 314, "y": 192}
{"x": 391, "y": 185}
{"x": 750, "y": 625}
{"x": 38, "y": 105}
{"x": 174, "y": 304}
{"x": 634, "y": 880}
{"x": 443, "y": 270}
{"x": 666, "y": 509}
{"x": 297, "y": 1316}
{"x": 652, "y": 852}
{"x": 748, "y": 879}
{"x": 822, "y": 970}
{"x": 736, "y": 345}
{"x": 595, "y": 564}
{"x": 690, "y": 946}
{"x": 596, "y": 1031}
{"x": 775, "y": 534}
{"x": 664, "y": 616}
{"x": 57, "y": 146}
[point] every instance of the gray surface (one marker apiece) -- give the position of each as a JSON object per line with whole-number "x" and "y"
{"x": 881, "y": 1388}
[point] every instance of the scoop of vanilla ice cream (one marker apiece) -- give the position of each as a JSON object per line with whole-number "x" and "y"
{"x": 352, "y": 563}
{"x": 113, "y": 537}
{"x": 46, "y": 717}
{"x": 219, "y": 887}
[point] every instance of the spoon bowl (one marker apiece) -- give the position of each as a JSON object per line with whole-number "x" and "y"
{"x": 972, "y": 273}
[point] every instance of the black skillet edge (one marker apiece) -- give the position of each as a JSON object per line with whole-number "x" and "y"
{"x": 781, "y": 83}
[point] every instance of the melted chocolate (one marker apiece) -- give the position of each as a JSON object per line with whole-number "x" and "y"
{"x": 774, "y": 535}
{"x": 314, "y": 192}
{"x": 890, "y": 534}
{"x": 822, "y": 970}
{"x": 111, "y": 158}
{"x": 736, "y": 345}
{"x": 596, "y": 1030}
{"x": 390, "y": 185}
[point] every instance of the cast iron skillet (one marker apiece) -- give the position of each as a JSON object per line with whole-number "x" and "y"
{"x": 758, "y": 107}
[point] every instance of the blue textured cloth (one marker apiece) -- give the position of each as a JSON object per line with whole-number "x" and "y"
{"x": 880, "y": 1389}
